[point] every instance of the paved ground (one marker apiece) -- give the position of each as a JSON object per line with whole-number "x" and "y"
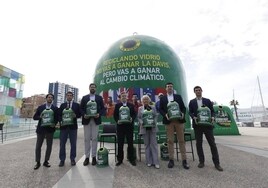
{"x": 244, "y": 159}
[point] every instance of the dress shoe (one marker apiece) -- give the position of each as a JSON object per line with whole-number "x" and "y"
{"x": 118, "y": 163}
{"x": 185, "y": 165}
{"x": 171, "y": 164}
{"x": 201, "y": 165}
{"x": 86, "y": 162}
{"x": 218, "y": 167}
{"x": 61, "y": 164}
{"x": 73, "y": 163}
{"x": 37, "y": 165}
{"x": 46, "y": 164}
{"x": 133, "y": 163}
{"x": 94, "y": 161}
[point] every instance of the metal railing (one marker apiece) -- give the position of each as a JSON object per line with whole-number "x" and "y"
{"x": 25, "y": 128}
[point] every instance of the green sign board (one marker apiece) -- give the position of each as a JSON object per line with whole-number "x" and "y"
{"x": 224, "y": 121}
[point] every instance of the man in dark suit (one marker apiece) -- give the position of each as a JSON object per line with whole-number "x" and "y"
{"x": 47, "y": 116}
{"x": 176, "y": 125}
{"x": 125, "y": 130}
{"x": 90, "y": 124}
{"x": 200, "y": 130}
{"x": 68, "y": 128}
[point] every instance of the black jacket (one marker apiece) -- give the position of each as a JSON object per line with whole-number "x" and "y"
{"x": 100, "y": 109}
{"x": 76, "y": 109}
{"x": 164, "y": 110}
{"x": 37, "y": 116}
{"x": 193, "y": 108}
{"x": 133, "y": 113}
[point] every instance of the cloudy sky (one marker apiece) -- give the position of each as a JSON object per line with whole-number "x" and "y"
{"x": 221, "y": 43}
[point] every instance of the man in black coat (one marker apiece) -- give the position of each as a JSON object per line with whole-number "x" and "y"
{"x": 45, "y": 129}
{"x": 90, "y": 124}
{"x": 125, "y": 130}
{"x": 68, "y": 129}
{"x": 176, "y": 125}
{"x": 199, "y": 130}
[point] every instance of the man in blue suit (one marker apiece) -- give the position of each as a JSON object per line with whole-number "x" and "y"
{"x": 200, "y": 130}
{"x": 68, "y": 128}
{"x": 47, "y": 116}
{"x": 172, "y": 126}
{"x": 90, "y": 124}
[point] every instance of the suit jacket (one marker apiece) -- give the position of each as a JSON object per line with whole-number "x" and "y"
{"x": 193, "y": 108}
{"x": 131, "y": 108}
{"x": 76, "y": 109}
{"x": 37, "y": 116}
{"x": 163, "y": 107}
{"x": 140, "y": 112}
{"x": 100, "y": 109}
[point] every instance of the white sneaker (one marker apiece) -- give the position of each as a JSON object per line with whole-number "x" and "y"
{"x": 157, "y": 166}
{"x": 149, "y": 165}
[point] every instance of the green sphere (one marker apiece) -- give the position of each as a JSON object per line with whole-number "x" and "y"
{"x": 142, "y": 65}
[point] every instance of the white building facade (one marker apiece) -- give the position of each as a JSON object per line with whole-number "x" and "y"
{"x": 59, "y": 91}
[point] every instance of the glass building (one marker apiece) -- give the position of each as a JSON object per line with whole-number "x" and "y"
{"x": 11, "y": 90}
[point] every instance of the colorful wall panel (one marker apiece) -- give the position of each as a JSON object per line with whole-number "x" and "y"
{"x": 11, "y": 89}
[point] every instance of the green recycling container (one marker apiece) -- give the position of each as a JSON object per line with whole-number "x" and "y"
{"x": 124, "y": 115}
{"x": 102, "y": 157}
{"x": 204, "y": 116}
{"x": 47, "y": 118}
{"x": 174, "y": 110}
{"x": 67, "y": 117}
{"x": 56, "y": 133}
{"x": 164, "y": 151}
{"x": 148, "y": 118}
{"x": 91, "y": 108}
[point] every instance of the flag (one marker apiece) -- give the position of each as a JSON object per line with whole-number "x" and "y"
{"x": 111, "y": 94}
{"x": 104, "y": 95}
{"x": 159, "y": 90}
{"x": 139, "y": 92}
{"x": 129, "y": 92}
{"x": 150, "y": 92}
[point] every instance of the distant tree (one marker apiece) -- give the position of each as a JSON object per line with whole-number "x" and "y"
{"x": 235, "y": 103}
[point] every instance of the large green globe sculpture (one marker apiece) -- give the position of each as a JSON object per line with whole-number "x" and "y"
{"x": 142, "y": 65}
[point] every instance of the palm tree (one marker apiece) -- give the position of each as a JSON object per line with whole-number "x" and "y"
{"x": 235, "y": 103}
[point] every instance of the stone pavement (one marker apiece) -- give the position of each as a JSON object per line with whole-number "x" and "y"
{"x": 244, "y": 159}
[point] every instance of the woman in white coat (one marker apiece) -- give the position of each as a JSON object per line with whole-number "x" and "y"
{"x": 149, "y": 133}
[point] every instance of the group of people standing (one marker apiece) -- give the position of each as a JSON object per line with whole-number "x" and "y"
{"x": 126, "y": 129}
{"x": 177, "y": 125}
{"x": 69, "y": 129}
